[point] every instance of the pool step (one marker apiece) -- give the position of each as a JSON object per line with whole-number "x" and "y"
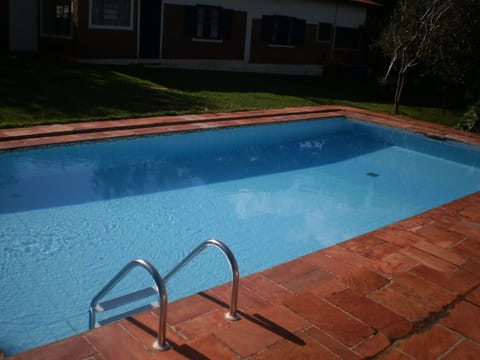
{"x": 126, "y": 314}
{"x": 126, "y": 299}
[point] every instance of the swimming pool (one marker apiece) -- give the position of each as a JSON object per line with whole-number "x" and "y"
{"x": 72, "y": 216}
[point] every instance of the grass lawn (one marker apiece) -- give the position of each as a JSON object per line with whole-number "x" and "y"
{"x": 37, "y": 91}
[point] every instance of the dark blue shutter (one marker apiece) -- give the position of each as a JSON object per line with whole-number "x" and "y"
{"x": 347, "y": 38}
{"x": 325, "y": 32}
{"x": 298, "y": 35}
{"x": 226, "y": 24}
{"x": 267, "y": 29}
{"x": 189, "y": 22}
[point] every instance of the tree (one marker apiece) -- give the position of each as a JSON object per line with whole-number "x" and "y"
{"x": 455, "y": 60}
{"x": 410, "y": 37}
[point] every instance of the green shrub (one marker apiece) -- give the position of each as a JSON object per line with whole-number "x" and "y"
{"x": 471, "y": 119}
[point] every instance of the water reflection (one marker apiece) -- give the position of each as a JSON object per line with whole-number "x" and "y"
{"x": 65, "y": 176}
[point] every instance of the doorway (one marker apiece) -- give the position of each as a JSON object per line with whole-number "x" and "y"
{"x": 150, "y": 24}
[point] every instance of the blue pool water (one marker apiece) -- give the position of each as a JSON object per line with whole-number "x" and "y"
{"x": 72, "y": 216}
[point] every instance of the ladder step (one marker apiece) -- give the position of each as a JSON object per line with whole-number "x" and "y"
{"x": 126, "y": 314}
{"x": 126, "y": 299}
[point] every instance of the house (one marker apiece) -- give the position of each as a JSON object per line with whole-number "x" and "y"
{"x": 283, "y": 36}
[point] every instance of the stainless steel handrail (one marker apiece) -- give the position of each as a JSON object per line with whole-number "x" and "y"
{"x": 161, "y": 342}
{"x": 232, "y": 314}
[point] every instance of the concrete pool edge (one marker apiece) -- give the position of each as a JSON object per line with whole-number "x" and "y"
{"x": 430, "y": 262}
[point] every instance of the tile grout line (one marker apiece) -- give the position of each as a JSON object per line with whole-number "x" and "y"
{"x": 451, "y": 348}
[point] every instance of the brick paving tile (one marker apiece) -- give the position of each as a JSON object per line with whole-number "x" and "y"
{"x": 446, "y": 220}
{"x": 208, "y": 347}
{"x": 113, "y": 342}
{"x": 343, "y": 255}
{"x": 332, "y": 344}
{"x": 372, "y": 313}
{"x": 441, "y": 237}
{"x": 412, "y": 223}
{"x": 428, "y": 260}
{"x": 372, "y": 346}
{"x": 394, "y": 264}
{"x": 337, "y": 268}
{"x": 474, "y": 297}
{"x": 338, "y": 324}
{"x": 189, "y": 308}
{"x": 467, "y": 228}
{"x": 73, "y": 348}
{"x": 379, "y": 252}
{"x": 308, "y": 281}
{"x": 364, "y": 280}
{"x": 398, "y": 237}
{"x": 400, "y": 304}
{"x": 394, "y": 354}
{"x": 310, "y": 350}
{"x": 469, "y": 248}
{"x": 466, "y": 350}
{"x": 430, "y": 344}
{"x": 327, "y": 288}
{"x": 445, "y": 254}
{"x": 422, "y": 290}
{"x": 247, "y": 299}
{"x": 460, "y": 319}
{"x": 144, "y": 328}
{"x": 247, "y": 338}
{"x": 472, "y": 267}
{"x": 440, "y": 279}
{"x": 472, "y": 212}
{"x": 288, "y": 270}
{"x": 266, "y": 288}
{"x": 361, "y": 243}
{"x": 466, "y": 277}
{"x": 279, "y": 319}
{"x": 203, "y": 325}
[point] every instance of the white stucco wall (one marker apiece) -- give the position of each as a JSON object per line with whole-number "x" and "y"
{"x": 23, "y": 25}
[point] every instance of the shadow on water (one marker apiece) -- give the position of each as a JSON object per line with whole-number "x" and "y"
{"x": 76, "y": 174}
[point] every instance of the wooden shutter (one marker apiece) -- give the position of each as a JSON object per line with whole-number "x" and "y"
{"x": 189, "y": 22}
{"x": 267, "y": 29}
{"x": 347, "y": 38}
{"x": 226, "y": 19}
{"x": 325, "y": 32}
{"x": 298, "y": 36}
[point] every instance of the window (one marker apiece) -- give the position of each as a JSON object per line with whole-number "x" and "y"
{"x": 325, "y": 32}
{"x": 111, "y": 14}
{"x": 208, "y": 23}
{"x": 283, "y": 30}
{"x": 56, "y": 18}
{"x": 347, "y": 38}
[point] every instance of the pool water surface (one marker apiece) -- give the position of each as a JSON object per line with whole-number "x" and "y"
{"x": 72, "y": 216}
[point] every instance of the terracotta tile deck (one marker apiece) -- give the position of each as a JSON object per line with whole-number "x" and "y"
{"x": 407, "y": 291}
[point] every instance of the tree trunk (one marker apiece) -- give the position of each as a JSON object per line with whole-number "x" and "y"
{"x": 398, "y": 91}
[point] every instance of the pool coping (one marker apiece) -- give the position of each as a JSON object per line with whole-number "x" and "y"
{"x": 11, "y": 138}
{"x": 400, "y": 292}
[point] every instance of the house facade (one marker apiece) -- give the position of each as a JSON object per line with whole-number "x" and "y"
{"x": 289, "y": 36}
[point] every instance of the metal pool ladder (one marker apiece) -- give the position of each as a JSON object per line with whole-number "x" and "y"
{"x": 159, "y": 288}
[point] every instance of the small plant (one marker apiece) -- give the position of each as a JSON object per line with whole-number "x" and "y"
{"x": 471, "y": 119}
